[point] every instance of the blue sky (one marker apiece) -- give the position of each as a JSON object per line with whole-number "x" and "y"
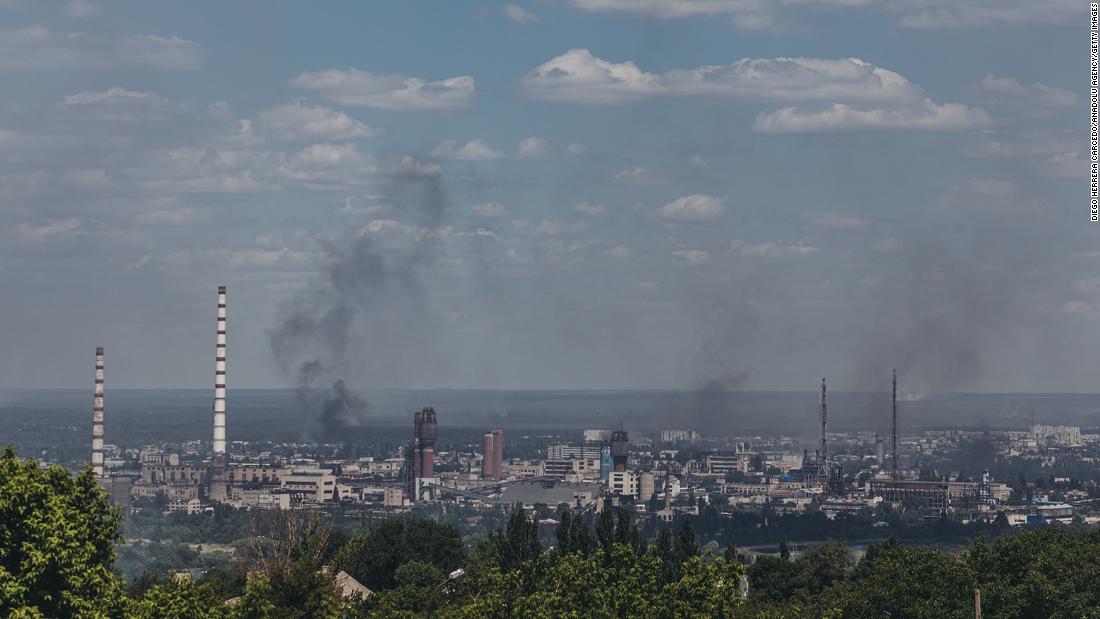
{"x": 570, "y": 193}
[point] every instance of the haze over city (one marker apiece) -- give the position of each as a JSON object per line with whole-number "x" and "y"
{"x": 572, "y": 194}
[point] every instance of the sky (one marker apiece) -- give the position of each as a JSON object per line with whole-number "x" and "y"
{"x": 687, "y": 194}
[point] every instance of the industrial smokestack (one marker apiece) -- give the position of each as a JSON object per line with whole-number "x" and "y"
{"x": 894, "y": 430}
{"x": 488, "y": 459}
{"x": 219, "y": 381}
{"x": 426, "y": 428}
{"x": 218, "y": 487}
{"x": 97, "y": 415}
{"x": 824, "y": 421}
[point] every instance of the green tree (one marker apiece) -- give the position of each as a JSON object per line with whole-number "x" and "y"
{"x": 518, "y": 543}
{"x": 178, "y": 600}
{"x": 57, "y": 536}
{"x": 900, "y": 581}
{"x": 373, "y": 558}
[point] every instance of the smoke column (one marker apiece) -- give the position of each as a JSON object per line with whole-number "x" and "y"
{"x": 367, "y": 321}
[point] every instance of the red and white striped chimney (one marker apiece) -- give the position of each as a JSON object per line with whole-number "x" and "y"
{"x": 97, "y": 415}
{"x": 219, "y": 380}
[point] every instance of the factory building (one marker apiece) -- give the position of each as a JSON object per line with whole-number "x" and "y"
{"x": 570, "y": 452}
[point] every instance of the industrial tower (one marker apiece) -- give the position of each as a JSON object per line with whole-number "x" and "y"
{"x": 219, "y": 490}
{"x": 97, "y": 416}
{"x": 894, "y": 430}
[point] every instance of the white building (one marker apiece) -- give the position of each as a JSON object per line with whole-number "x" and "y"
{"x": 316, "y": 485}
{"x": 623, "y": 483}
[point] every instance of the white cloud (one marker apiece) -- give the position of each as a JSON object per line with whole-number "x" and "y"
{"x": 371, "y": 204}
{"x": 640, "y": 176}
{"x": 521, "y": 15}
{"x": 696, "y": 207}
{"x": 575, "y": 149}
{"x": 533, "y": 147}
{"x": 474, "y": 150}
{"x": 619, "y": 251}
{"x": 579, "y": 77}
{"x": 298, "y": 121}
{"x": 692, "y": 257}
{"x": 770, "y": 249}
{"x": 697, "y": 162}
{"x": 834, "y": 221}
{"x": 391, "y": 92}
{"x": 842, "y": 117}
{"x": 489, "y": 209}
{"x": 120, "y": 105}
{"x": 830, "y": 94}
{"x": 38, "y": 48}
{"x": 243, "y": 170}
{"x": 1037, "y": 99}
{"x": 590, "y": 209}
{"x": 81, "y": 8}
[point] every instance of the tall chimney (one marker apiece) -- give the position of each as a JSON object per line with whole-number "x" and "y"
{"x": 824, "y": 420}
{"x": 894, "y": 431}
{"x": 97, "y": 415}
{"x": 216, "y": 476}
{"x": 488, "y": 459}
{"x": 426, "y": 432}
{"x": 498, "y": 452}
{"x": 219, "y": 381}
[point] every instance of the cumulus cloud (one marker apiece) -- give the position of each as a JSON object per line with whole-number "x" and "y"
{"x": 39, "y": 48}
{"x": 579, "y": 77}
{"x": 120, "y": 105}
{"x": 533, "y": 147}
{"x": 590, "y": 209}
{"x": 639, "y": 176}
{"x": 390, "y": 92}
{"x": 489, "y": 209}
{"x": 521, "y": 15}
{"x": 575, "y": 149}
{"x": 842, "y": 117}
{"x": 831, "y": 94}
{"x": 298, "y": 121}
{"x": 370, "y": 204}
{"x": 474, "y": 150}
{"x": 694, "y": 208}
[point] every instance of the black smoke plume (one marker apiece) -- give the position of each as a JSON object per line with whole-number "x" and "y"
{"x": 368, "y": 321}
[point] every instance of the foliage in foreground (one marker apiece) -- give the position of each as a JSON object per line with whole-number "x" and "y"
{"x": 56, "y": 553}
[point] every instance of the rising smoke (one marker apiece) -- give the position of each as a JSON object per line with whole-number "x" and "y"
{"x": 369, "y": 321}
